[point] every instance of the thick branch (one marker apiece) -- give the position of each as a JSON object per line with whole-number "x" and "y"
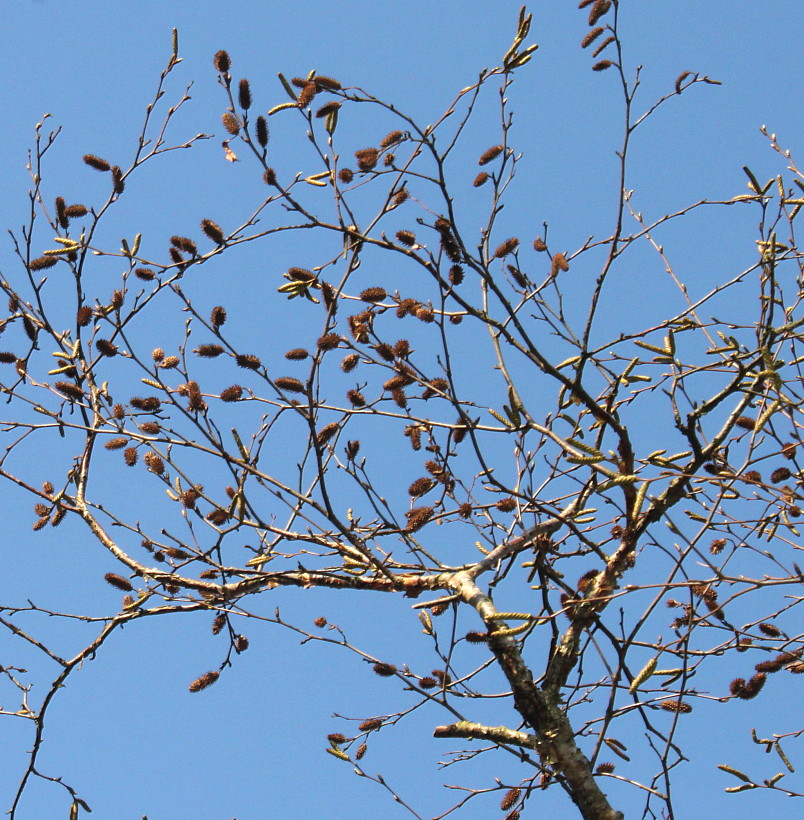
{"x": 554, "y": 736}
{"x": 477, "y": 731}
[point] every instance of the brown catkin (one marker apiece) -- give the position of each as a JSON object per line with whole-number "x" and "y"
{"x": 402, "y": 348}
{"x": 417, "y": 518}
{"x": 213, "y": 231}
{"x": 244, "y": 94}
{"x": 370, "y": 725}
{"x": 420, "y": 487}
{"x": 31, "y": 331}
{"x": 327, "y": 108}
{"x": 195, "y": 398}
{"x": 72, "y": 391}
{"x": 148, "y": 404}
{"x": 598, "y": 10}
{"x": 435, "y": 388}
{"x": 222, "y": 62}
{"x": 154, "y": 462}
{"x": 118, "y": 581}
{"x": 75, "y": 211}
{"x": 185, "y": 244}
{"x": 349, "y": 362}
{"x": 232, "y": 393}
{"x": 289, "y": 384}
{"x": 374, "y": 294}
{"x": 356, "y": 398}
{"x": 106, "y": 348}
{"x": 230, "y": 123}
{"x": 217, "y": 517}
{"x": 406, "y": 307}
{"x": 753, "y": 686}
{"x": 604, "y": 45}
{"x": 61, "y": 216}
{"x": 330, "y": 297}
{"x": 326, "y": 433}
{"x": 97, "y": 163}
{"x": 676, "y": 706}
{"x": 773, "y": 665}
{"x": 307, "y": 94}
{"x": 327, "y": 83}
{"x": 591, "y": 36}
{"x": 116, "y": 443}
{"x": 262, "y": 131}
{"x": 490, "y": 154}
{"x": 248, "y": 362}
{"x": 559, "y": 263}
{"x": 737, "y": 686}
{"x": 367, "y": 158}
{"x": 506, "y": 248}
{"x": 204, "y": 681}
{"x": 329, "y": 341}
{"x": 42, "y": 262}
{"x": 393, "y": 138}
{"x": 189, "y": 497}
{"x": 117, "y": 179}
{"x": 510, "y": 799}
{"x": 209, "y": 351}
{"x": 385, "y": 351}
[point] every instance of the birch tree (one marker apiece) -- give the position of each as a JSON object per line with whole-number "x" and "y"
{"x": 592, "y": 516}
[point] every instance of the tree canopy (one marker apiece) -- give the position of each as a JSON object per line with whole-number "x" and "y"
{"x": 530, "y": 494}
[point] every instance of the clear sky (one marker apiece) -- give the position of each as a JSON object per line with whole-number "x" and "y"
{"x": 126, "y": 732}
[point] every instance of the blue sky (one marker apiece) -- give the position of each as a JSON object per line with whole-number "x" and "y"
{"x": 125, "y": 732}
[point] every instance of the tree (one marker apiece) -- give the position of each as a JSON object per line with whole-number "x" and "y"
{"x": 467, "y": 428}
